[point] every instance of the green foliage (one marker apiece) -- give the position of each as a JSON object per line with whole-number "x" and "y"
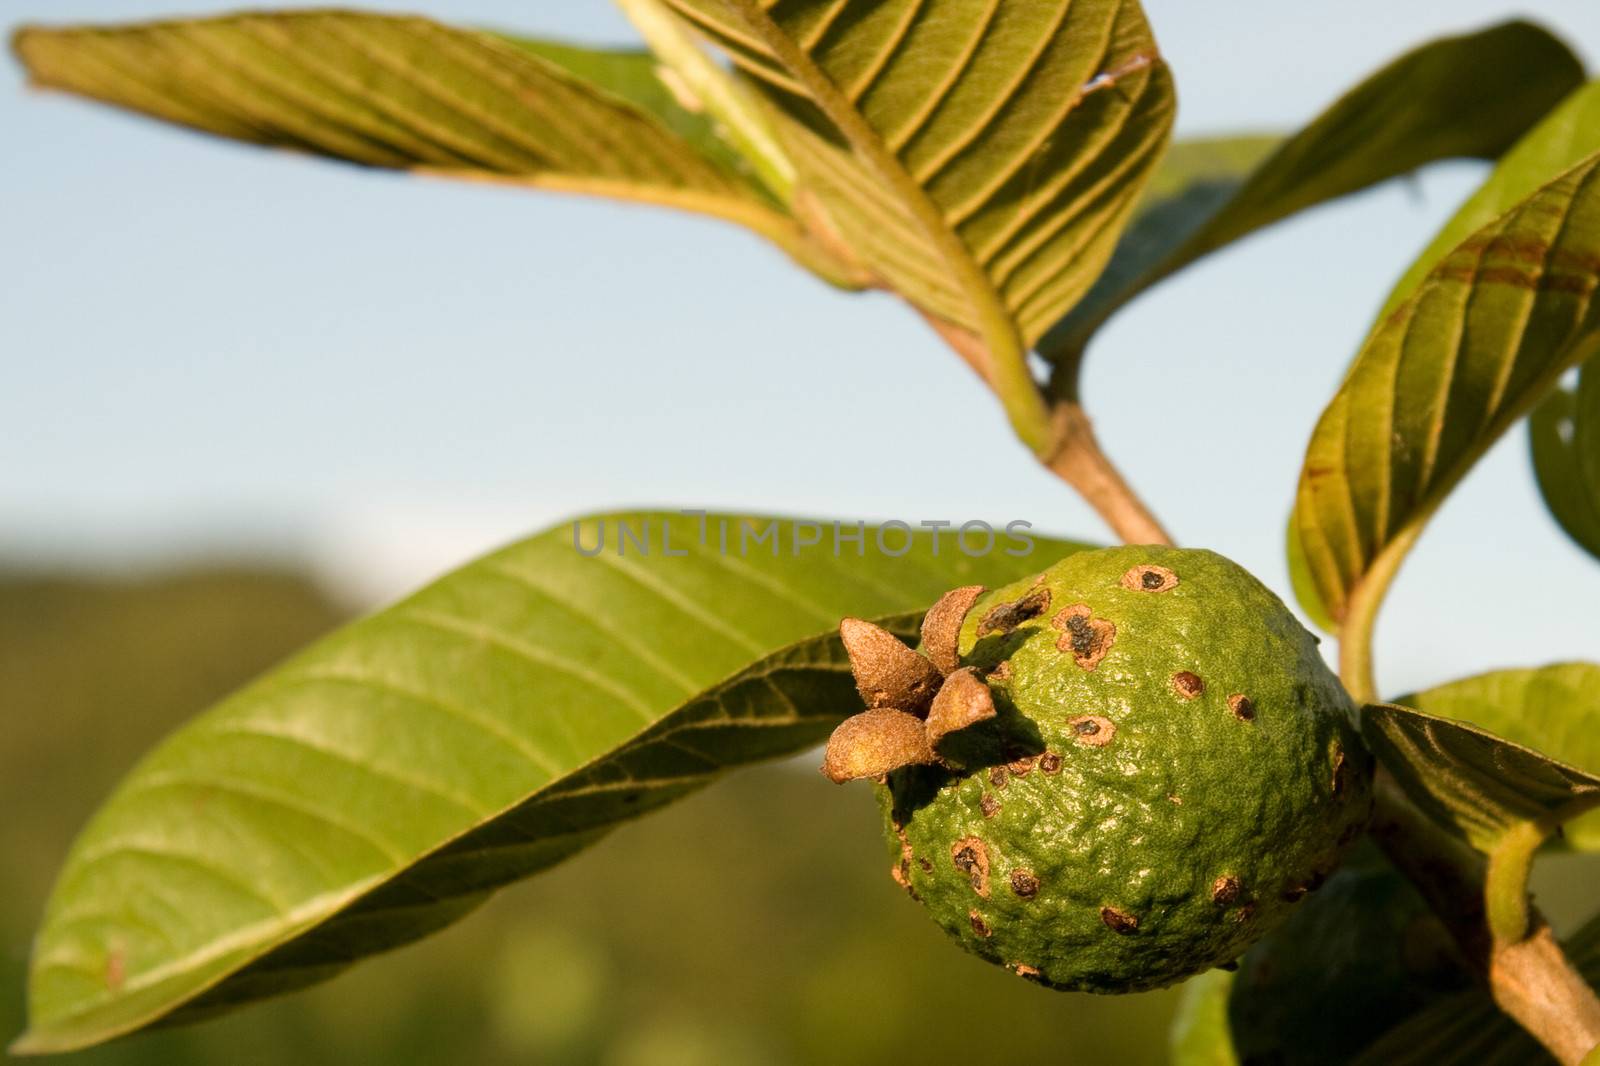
{"x": 576, "y": 967}
{"x": 1481, "y": 786}
{"x": 1502, "y": 798}
{"x": 382, "y": 783}
{"x": 1467, "y": 1030}
{"x": 410, "y": 94}
{"x": 979, "y": 159}
{"x": 1565, "y": 435}
{"x": 1552, "y": 709}
{"x": 1468, "y": 96}
{"x": 1361, "y": 955}
{"x": 983, "y": 161}
{"x": 1484, "y": 336}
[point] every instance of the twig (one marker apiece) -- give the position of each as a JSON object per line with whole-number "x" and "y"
{"x": 1078, "y": 460}
{"x": 1530, "y": 979}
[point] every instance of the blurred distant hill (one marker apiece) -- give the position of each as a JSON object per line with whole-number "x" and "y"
{"x": 754, "y": 923}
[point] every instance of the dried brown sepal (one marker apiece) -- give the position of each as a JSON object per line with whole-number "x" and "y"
{"x": 875, "y": 742}
{"x": 1187, "y": 684}
{"x": 1149, "y": 578}
{"x": 887, "y": 673}
{"x": 963, "y": 701}
{"x": 1092, "y": 730}
{"x": 971, "y": 856}
{"x": 1242, "y": 706}
{"x": 1004, "y": 617}
{"x": 1088, "y": 638}
{"x": 941, "y": 627}
{"x": 1119, "y": 921}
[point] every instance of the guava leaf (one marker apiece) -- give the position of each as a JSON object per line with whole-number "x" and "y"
{"x": 1199, "y": 1034}
{"x": 1478, "y": 785}
{"x": 382, "y": 783}
{"x": 1564, "y": 433}
{"x": 1553, "y": 709}
{"x": 1484, "y": 336}
{"x": 1500, "y": 797}
{"x": 410, "y": 94}
{"x": 1471, "y": 96}
{"x": 1467, "y": 1029}
{"x": 981, "y": 158}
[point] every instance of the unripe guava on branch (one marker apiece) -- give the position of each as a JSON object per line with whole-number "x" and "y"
{"x": 1137, "y": 763}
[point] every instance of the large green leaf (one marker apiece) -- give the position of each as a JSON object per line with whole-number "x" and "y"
{"x": 1480, "y": 785}
{"x": 1501, "y": 797}
{"x": 1553, "y": 709}
{"x": 981, "y": 158}
{"x": 1468, "y": 96}
{"x": 1467, "y": 1029}
{"x": 1483, "y": 337}
{"x": 1564, "y": 432}
{"x": 410, "y": 94}
{"x": 382, "y": 783}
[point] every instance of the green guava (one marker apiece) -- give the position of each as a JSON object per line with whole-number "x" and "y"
{"x": 1170, "y": 767}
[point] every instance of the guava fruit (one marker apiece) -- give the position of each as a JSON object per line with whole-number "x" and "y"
{"x": 1136, "y": 764}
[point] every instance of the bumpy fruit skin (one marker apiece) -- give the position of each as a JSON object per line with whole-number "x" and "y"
{"x": 1173, "y": 767}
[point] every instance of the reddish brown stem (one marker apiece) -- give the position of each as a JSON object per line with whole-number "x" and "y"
{"x": 1078, "y": 460}
{"x": 1531, "y": 979}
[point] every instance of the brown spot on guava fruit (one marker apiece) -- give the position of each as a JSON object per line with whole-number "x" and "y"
{"x": 1002, "y": 618}
{"x": 1092, "y": 730}
{"x": 1224, "y": 890}
{"x": 979, "y": 926}
{"x": 1242, "y": 706}
{"x": 1050, "y": 762}
{"x": 1149, "y": 578}
{"x": 1024, "y": 884}
{"x": 971, "y": 856}
{"x": 1088, "y": 638}
{"x": 1187, "y": 684}
{"x": 990, "y": 805}
{"x": 1118, "y": 920}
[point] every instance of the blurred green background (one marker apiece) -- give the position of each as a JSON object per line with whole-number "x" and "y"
{"x": 754, "y": 923}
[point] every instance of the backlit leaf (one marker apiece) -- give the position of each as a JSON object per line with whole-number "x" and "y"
{"x": 410, "y": 94}
{"x": 382, "y": 783}
{"x": 1457, "y": 97}
{"x": 1552, "y": 709}
{"x": 1564, "y": 432}
{"x": 1484, "y": 337}
{"x": 981, "y": 158}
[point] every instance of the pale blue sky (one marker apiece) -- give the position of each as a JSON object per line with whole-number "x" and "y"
{"x": 205, "y": 347}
